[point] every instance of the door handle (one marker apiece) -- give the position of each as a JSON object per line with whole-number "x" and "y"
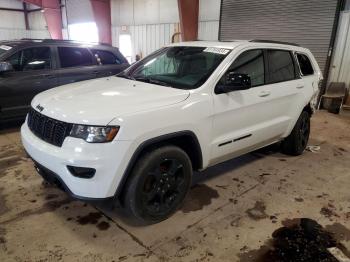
{"x": 264, "y": 93}
{"x": 300, "y": 87}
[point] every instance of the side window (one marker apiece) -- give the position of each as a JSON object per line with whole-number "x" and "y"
{"x": 281, "y": 66}
{"x": 15, "y": 61}
{"x": 75, "y": 57}
{"x": 105, "y": 57}
{"x": 305, "y": 65}
{"x": 36, "y": 58}
{"x": 251, "y": 63}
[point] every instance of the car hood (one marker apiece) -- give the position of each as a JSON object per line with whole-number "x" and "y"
{"x": 98, "y": 101}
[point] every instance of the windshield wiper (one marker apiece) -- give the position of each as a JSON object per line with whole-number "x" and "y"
{"x": 152, "y": 81}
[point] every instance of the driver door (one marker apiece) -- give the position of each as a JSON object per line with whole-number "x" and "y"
{"x": 32, "y": 74}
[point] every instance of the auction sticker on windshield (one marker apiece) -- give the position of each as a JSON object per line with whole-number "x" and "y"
{"x": 216, "y": 50}
{"x": 5, "y": 47}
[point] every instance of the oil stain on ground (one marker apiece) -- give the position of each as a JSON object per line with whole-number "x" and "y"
{"x": 93, "y": 219}
{"x": 3, "y": 206}
{"x": 198, "y": 197}
{"x": 10, "y": 156}
{"x": 2, "y": 236}
{"x": 300, "y": 240}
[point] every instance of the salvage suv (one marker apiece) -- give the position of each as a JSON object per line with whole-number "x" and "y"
{"x": 138, "y": 137}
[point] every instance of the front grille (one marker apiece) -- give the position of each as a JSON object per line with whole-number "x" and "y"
{"x": 50, "y": 130}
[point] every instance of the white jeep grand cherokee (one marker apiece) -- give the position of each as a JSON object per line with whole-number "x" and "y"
{"x": 140, "y": 135}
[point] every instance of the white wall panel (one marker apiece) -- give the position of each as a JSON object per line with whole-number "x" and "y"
{"x": 146, "y": 12}
{"x": 340, "y": 66}
{"x": 10, "y": 19}
{"x": 8, "y": 34}
{"x": 209, "y": 10}
{"x": 168, "y": 11}
{"x": 146, "y": 38}
{"x": 208, "y": 30}
{"x": 11, "y": 4}
{"x": 37, "y": 21}
{"x": 140, "y": 12}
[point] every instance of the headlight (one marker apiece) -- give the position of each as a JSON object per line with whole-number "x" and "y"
{"x": 94, "y": 134}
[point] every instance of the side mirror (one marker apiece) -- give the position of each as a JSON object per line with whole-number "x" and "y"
{"x": 233, "y": 82}
{"x": 5, "y": 67}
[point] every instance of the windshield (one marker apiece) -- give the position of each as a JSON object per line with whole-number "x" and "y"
{"x": 180, "y": 67}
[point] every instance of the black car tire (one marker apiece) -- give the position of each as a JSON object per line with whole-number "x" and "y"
{"x": 158, "y": 184}
{"x": 296, "y": 142}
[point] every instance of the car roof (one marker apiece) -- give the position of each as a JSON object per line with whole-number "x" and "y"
{"x": 234, "y": 43}
{"x": 25, "y": 41}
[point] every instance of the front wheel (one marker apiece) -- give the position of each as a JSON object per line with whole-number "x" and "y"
{"x": 296, "y": 142}
{"x": 158, "y": 184}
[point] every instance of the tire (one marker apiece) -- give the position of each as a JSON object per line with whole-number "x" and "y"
{"x": 296, "y": 142}
{"x": 158, "y": 184}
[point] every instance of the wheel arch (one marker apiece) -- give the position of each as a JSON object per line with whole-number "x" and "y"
{"x": 308, "y": 108}
{"x": 186, "y": 140}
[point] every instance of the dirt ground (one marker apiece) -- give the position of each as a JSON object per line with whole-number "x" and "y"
{"x": 263, "y": 206}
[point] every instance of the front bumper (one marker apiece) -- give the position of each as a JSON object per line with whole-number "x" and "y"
{"x": 109, "y": 160}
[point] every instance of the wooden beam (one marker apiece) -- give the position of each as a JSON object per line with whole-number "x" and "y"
{"x": 188, "y": 11}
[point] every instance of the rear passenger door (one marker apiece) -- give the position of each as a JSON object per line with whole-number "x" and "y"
{"x": 76, "y": 64}
{"x": 284, "y": 88}
{"x": 109, "y": 63}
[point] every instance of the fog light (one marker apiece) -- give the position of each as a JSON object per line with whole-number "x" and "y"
{"x": 82, "y": 172}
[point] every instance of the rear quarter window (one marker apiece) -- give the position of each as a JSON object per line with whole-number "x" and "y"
{"x": 280, "y": 66}
{"x": 106, "y": 57}
{"x": 305, "y": 64}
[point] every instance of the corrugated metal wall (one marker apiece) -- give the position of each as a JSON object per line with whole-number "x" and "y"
{"x": 340, "y": 66}
{"x": 145, "y": 38}
{"x": 151, "y": 23}
{"x": 208, "y": 30}
{"x": 308, "y": 23}
{"x": 12, "y": 25}
{"x": 8, "y": 34}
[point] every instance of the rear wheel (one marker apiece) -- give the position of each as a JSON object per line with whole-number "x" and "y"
{"x": 158, "y": 184}
{"x": 296, "y": 142}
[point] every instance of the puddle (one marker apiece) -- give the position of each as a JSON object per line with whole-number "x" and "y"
{"x": 198, "y": 197}
{"x": 258, "y": 211}
{"x": 300, "y": 240}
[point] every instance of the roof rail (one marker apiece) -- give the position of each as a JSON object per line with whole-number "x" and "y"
{"x": 63, "y": 41}
{"x": 272, "y": 42}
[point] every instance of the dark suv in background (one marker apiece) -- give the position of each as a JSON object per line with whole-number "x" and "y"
{"x": 28, "y": 67}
